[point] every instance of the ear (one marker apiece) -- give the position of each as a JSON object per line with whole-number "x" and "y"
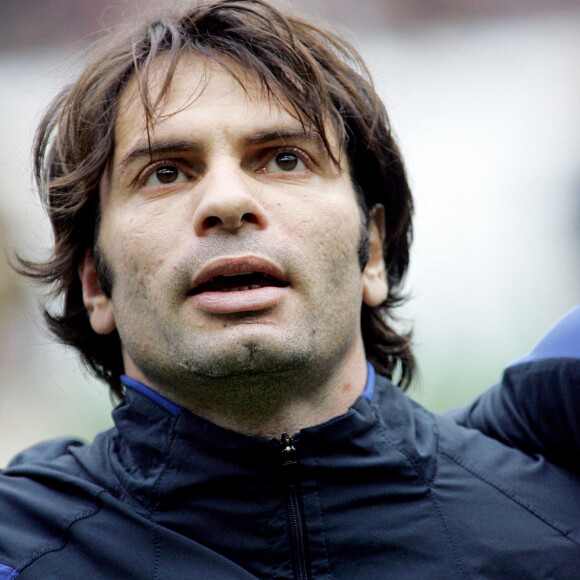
{"x": 99, "y": 307}
{"x": 375, "y": 288}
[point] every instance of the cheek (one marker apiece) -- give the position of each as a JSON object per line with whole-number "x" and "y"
{"x": 136, "y": 254}
{"x": 141, "y": 236}
{"x": 338, "y": 235}
{"x": 330, "y": 239}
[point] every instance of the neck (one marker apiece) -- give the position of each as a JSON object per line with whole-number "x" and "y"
{"x": 282, "y": 405}
{"x": 271, "y": 404}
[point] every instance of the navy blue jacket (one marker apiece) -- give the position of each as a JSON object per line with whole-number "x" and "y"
{"x": 387, "y": 490}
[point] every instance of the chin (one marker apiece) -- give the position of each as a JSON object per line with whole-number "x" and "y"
{"x": 242, "y": 359}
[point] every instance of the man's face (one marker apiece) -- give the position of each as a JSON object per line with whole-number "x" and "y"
{"x": 232, "y": 240}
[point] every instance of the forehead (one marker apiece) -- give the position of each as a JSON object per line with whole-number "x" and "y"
{"x": 203, "y": 95}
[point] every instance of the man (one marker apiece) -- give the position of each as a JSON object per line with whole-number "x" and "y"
{"x": 232, "y": 225}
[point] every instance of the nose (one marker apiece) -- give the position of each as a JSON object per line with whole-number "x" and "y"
{"x": 227, "y": 203}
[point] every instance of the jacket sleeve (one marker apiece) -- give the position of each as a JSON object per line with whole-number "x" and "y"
{"x": 536, "y": 407}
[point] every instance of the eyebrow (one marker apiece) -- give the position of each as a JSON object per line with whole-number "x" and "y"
{"x": 160, "y": 148}
{"x": 283, "y": 135}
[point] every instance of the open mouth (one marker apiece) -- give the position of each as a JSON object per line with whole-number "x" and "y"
{"x": 238, "y": 283}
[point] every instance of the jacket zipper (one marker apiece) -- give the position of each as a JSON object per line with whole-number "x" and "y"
{"x": 294, "y": 510}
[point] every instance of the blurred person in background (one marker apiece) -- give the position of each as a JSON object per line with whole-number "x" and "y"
{"x": 232, "y": 225}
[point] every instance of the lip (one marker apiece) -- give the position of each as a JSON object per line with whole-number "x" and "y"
{"x": 237, "y": 265}
{"x": 235, "y": 301}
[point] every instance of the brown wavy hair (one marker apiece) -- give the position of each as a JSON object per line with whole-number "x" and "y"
{"x": 315, "y": 70}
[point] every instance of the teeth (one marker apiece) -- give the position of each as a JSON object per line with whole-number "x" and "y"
{"x": 241, "y": 288}
{"x": 231, "y": 275}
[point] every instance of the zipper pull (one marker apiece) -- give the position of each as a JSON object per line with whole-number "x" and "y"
{"x": 289, "y": 459}
{"x": 288, "y": 450}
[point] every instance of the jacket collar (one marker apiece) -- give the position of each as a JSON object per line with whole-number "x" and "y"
{"x": 158, "y": 448}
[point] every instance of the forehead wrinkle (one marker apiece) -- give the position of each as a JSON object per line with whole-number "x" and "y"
{"x": 294, "y": 127}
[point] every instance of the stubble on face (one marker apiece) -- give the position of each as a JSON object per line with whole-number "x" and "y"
{"x": 244, "y": 361}
{"x": 196, "y": 363}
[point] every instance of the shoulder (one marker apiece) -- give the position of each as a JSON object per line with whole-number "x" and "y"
{"x": 43, "y": 492}
{"x": 45, "y": 451}
{"x": 505, "y": 483}
{"x": 471, "y": 474}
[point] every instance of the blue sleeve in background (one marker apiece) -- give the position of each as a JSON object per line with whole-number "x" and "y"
{"x": 562, "y": 341}
{"x": 536, "y": 407}
{"x": 7, "y": 573}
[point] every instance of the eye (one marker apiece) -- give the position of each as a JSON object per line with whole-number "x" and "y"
{"x": 165, "y": 175}
{"x": 285, "y": 162}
